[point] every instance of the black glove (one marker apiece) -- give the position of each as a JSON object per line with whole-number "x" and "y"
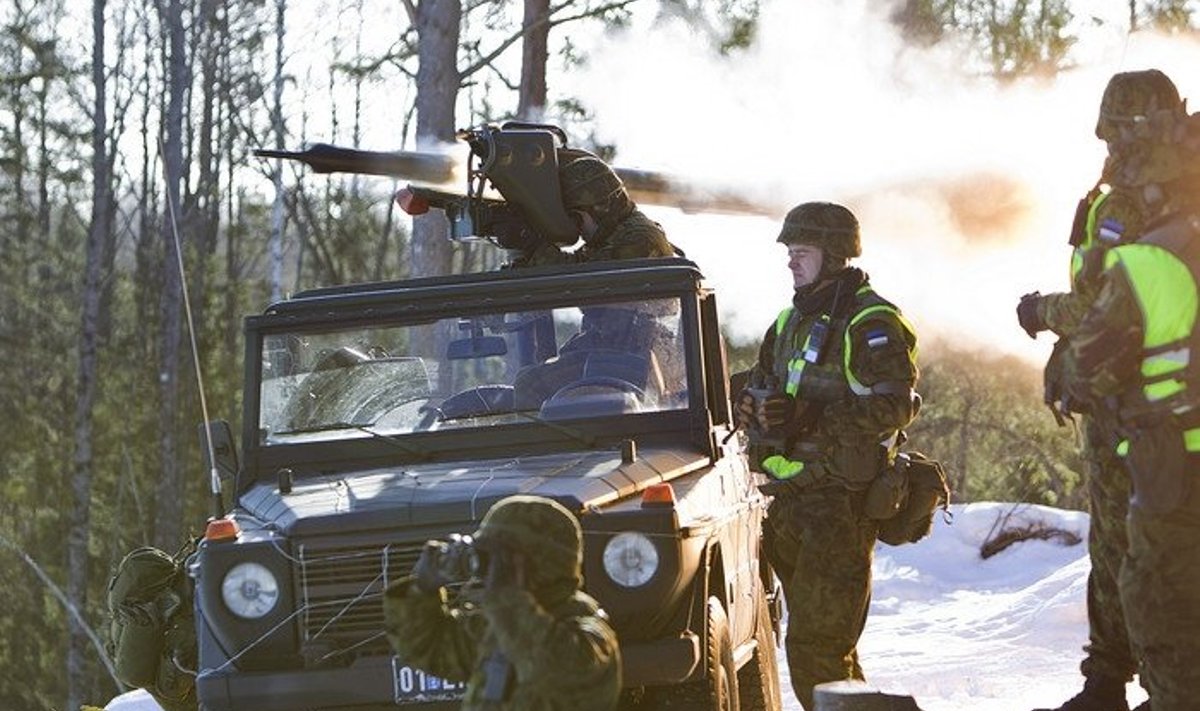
{"x": 506, "y": 568}
{"x": 428, "y": 568}
{"x": 1028, "y": 316}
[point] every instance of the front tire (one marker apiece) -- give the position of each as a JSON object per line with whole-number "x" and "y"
{"x": 758, "y": 680}
{"x": 718, "y": 690}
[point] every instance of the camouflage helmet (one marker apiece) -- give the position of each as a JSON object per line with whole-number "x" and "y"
{"x": 1131, "y": 98}
{"x": 542, "y": 530}
{"x": 587, "y": 182}
{"x": 827, "y": 225}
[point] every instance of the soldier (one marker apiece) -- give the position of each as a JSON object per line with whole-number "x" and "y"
{"x": 533, "y": 641}
{"x": 1108, "y": 216}
{"x": 831, "y": 390}
{"x": 610, "y": 223}
{"x": 1132, "y": 356}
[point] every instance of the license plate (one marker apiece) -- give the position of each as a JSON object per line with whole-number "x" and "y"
{"x": 411, "y": 684}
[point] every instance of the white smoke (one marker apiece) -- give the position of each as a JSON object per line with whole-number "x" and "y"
{"x": 965, "y": 188}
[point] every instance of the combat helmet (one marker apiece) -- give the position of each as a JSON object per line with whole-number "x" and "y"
{"x": 545, "y": 533}
{"x": 1132, "y": 98}
{"x": 827, "y": 225}
{"x": 588, "y": 183}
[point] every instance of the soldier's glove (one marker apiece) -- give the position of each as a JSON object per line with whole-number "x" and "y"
{"x": 745, "y": 410}
{"x": 1028, "y": 316}
{"x": 429, "y": 569}
{"x": 505, "y": 569}
{"x": 775, "y": 410}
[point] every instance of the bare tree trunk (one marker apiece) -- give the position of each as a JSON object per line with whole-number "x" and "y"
{"x": 78, "y": 563}
{"x": 170, "y": 490}
{"x": 531, "y": 100}
{"x": 438, "y": 25}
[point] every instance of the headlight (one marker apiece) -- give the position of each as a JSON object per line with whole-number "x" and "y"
{"x": 250, "y": 590}
{"x": 630, "y": 559}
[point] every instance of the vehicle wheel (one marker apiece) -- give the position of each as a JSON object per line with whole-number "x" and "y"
{"x": 758, "y": 680}
{"x": 718, "y": 690}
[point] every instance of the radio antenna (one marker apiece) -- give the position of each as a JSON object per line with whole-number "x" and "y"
{"x": 214, "y": 476}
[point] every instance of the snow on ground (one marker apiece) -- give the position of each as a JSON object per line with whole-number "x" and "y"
{"x": 956, "y": 631}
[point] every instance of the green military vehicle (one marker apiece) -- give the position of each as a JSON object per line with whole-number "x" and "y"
{"x": 378, "y": 416}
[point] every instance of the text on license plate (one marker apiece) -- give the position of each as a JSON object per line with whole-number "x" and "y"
{"x": 410, "y": 684}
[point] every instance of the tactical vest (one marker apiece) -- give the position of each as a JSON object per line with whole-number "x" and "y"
{"x": 827, "y": 379}
{"x": 1163, "y": 270}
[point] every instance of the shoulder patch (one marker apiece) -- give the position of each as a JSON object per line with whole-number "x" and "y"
{"x": 1110, "y": 231}
{"x": 877, "y": 338}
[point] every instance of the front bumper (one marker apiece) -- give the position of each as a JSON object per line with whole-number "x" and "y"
{"x": 369, "y": 683}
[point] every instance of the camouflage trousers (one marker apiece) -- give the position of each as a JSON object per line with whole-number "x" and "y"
{"x": 1108, "y": 650}
{"x": 821, "y": 547}
{"x": 1160, "y": 587}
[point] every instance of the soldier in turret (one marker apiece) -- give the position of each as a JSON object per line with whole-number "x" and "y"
{"x": 609, "y": 222}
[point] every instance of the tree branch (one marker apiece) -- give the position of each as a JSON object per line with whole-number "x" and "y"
{"x": 70, "y": 608}
{"x": 550, "y": 22}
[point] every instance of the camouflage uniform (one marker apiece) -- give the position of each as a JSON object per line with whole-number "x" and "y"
{"x": 1123, "y": 360}
{"x": 1113, "y": 217}
{"x": 563, "y": 653}
{"x": 846, "y": 411}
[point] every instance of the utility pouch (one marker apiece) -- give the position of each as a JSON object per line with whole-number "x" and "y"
{"x": 152, "y": 636}
{"x": 1158, "y": 464}
{"x": 927, "y": 492}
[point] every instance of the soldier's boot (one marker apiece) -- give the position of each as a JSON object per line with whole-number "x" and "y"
{"x": 1099, "y": 694}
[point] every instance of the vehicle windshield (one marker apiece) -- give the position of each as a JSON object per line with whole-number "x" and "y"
{"x": 477, "y": 370}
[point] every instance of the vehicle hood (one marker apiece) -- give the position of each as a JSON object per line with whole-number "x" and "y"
{"x": 454, "y": 492}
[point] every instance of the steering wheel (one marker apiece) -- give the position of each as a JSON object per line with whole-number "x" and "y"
{"x": 598, "y": 381}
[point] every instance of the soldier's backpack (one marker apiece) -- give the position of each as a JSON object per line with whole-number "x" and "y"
{"x": 153, "y": 638}
{"x": 923, "y": 489}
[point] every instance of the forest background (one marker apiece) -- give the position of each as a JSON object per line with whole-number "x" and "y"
{"x": 124, "y": 120}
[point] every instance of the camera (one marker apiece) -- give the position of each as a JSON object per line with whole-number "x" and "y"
{"x": 460, "y": 560}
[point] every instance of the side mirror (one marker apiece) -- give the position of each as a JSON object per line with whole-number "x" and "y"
{"x": 476, "y": 347}
{"x": 223, "y": 449}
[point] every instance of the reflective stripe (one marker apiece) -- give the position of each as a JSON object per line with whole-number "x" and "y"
{"x": 1162, "y": 390}
{"x": 1191, "y": 440}
{"x": 1168, "y": 362}
{"x": 781, "y": 467}
{"x": 1123, "y": 448}
{"x": 1089, "y": 236}
{"x": 856, "y": 385}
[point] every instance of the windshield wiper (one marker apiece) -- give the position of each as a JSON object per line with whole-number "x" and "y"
{"x": 336, "y": 426}
{"x": 323, "y": 427}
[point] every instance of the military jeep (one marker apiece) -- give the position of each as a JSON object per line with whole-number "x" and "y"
{"x": 379, "y": 416}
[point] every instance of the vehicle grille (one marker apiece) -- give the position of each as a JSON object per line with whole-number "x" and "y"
{"x": 341, "y": 589}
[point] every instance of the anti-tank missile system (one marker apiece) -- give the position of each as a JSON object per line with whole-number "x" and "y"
{"x": 519, "y": 161}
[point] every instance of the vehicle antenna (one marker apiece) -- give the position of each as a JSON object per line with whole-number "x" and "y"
{"x": 218, "y": 509}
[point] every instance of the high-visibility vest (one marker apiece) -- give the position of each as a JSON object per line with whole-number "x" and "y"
{"x": 1161, "y": 269}
{"x": 833, "y": 375}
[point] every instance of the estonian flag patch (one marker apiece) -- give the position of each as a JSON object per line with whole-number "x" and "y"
{"x": 877, "y": 338}
{"x": 1110, "y": 231}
